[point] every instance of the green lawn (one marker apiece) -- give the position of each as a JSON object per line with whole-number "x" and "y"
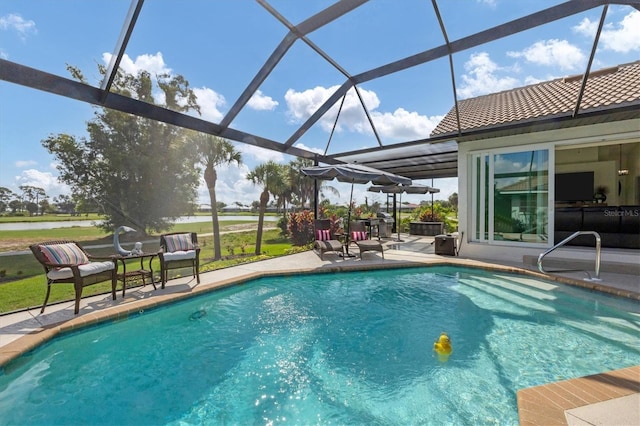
{"x": 91, "y": 235}
{"x": 23, "y": 285}
{"x": 49, "y": 218}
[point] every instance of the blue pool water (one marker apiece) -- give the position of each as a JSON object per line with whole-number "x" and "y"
{"x": 349, "y": 348}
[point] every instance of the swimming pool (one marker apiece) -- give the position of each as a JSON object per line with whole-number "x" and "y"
{"x": 338, "y": 348}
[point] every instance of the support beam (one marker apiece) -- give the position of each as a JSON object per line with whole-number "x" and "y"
{"x": 316, "y": 21}
{"x": 36, "y": 79}
{"x": 121, "y": 46}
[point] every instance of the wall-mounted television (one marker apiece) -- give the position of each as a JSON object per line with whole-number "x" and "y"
{"x": 574, "y": 187}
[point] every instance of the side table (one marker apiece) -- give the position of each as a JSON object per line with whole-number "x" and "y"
{"x": 141, "y": 272}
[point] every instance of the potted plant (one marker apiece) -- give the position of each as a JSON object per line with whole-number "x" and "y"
{"x": 601, "y": 194}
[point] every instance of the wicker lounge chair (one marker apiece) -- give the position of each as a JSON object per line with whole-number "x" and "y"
{"x": 67, "y": 262}
{"x": 360, "y": 237}
{"x": 325, "y": 238}
{"x": 179, "y": 250}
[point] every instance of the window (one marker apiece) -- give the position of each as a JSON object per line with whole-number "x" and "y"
{"x": 510, "y": 196}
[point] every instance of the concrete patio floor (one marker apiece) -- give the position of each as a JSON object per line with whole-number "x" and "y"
{"x": 23, "y": 331}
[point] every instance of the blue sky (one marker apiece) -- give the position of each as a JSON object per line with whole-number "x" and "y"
{"x": 219, "y": 46}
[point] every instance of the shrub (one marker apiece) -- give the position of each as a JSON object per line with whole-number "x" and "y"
{"x": 300, "y": 228}
{"x": 440, "y": 214}
{"x": 426, "y": 216}
{"x": 283, "y": 226}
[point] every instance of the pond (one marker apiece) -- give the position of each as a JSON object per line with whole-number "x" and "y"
{"x": 26, "y": 226}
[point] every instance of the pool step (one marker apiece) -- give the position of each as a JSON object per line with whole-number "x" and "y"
{"x": 563, "y": 264}
{"x": 621, "y": 332}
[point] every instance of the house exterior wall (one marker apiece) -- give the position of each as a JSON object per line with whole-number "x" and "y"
{"x": 606, "y": 136}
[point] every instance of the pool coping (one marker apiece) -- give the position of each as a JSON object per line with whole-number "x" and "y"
{"x": 547, "y": 404}
{"x": 537, "y": 402}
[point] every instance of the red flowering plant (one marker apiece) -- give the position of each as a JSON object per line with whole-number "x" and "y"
{"x": 335, "y": 223}
{"x": 300, "y": 228}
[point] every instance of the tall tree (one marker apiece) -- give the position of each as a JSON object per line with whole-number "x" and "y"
{"x": 273, "y": 179}
{"x": 5, "y": 196}
{"x": 213, "y": 151}
{"x": 31, "y": 196}
{"x": 139, "y": 171}
{"x": 303, "y": 187}
{"x": 65, "y": 203}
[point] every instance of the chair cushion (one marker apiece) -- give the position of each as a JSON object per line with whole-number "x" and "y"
{"x": 179, "y": 255}
{"x": 87, "y": 269}
{"x": 64, "y": 254}
{"x": 358, "y": 235}
{"x": 178, "y": 242}
{"x": 328, "y": 245}
{"x": 323, "y": 234}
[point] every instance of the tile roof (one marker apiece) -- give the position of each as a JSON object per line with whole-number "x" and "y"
{"x": 605, "y": 89}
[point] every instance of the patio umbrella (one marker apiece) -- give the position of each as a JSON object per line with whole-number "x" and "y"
{"x": 354, "y": 173}
{"x": 399, "y": 189}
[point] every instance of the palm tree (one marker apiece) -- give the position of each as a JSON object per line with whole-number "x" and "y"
{"x": 303, "y": 186}
{"x": 272, "y": 177}
{"x": 213, "y": 151}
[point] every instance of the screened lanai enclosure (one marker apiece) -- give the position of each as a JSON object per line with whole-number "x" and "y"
{"x": 430, "y": 50}
{"x": 397, "y": 86}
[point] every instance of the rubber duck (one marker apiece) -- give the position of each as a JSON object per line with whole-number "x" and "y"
{"x": 442, "y": 346}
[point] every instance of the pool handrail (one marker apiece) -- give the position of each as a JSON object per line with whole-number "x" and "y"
{"x": 565, "y": 241}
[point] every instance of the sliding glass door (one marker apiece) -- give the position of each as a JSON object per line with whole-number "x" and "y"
{"x": 510, "y": 196}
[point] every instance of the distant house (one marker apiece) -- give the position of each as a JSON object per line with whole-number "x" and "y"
{"x": 533, "y": 169}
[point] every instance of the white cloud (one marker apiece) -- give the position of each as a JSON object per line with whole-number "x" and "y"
{"x": 17, "y": 23}
{"x": 210, "y": 103}
{"x": 404, "y": 125}
{"x": 232, "y": 185}
{"x": 586, "y": 27}
{"x": 302, "y": 104}
{"x": 306, "y": 148}
{"x": 622, "y": 37}
{"x": 491, "y": 3}
{"x": 154, "y": 64}
{"x": 261, "y": 102}
{"x": 261, "y": 155}
{"x": 528, "y": 80}
{"x": 44, "y": 180}
{"x": 352, "y": 117}
{"x": 625, "y": 36}
{"x": 209, "y": 100}
{"x": 481, "y": 77}
{"x": 552, "y": 53}
{"x": 25, "y": 163}
{"x": 399, "y": 124}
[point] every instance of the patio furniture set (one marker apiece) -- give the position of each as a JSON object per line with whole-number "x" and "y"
{"x": 67, "y": 262}
{"x": 328, "y": 240}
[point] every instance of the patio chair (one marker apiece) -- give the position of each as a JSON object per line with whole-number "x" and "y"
{"x": 179, "y": 250}
{"x": 360, "y": 237}
{"x": 325, "y": 238}
{"x": 66, "y": 262}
